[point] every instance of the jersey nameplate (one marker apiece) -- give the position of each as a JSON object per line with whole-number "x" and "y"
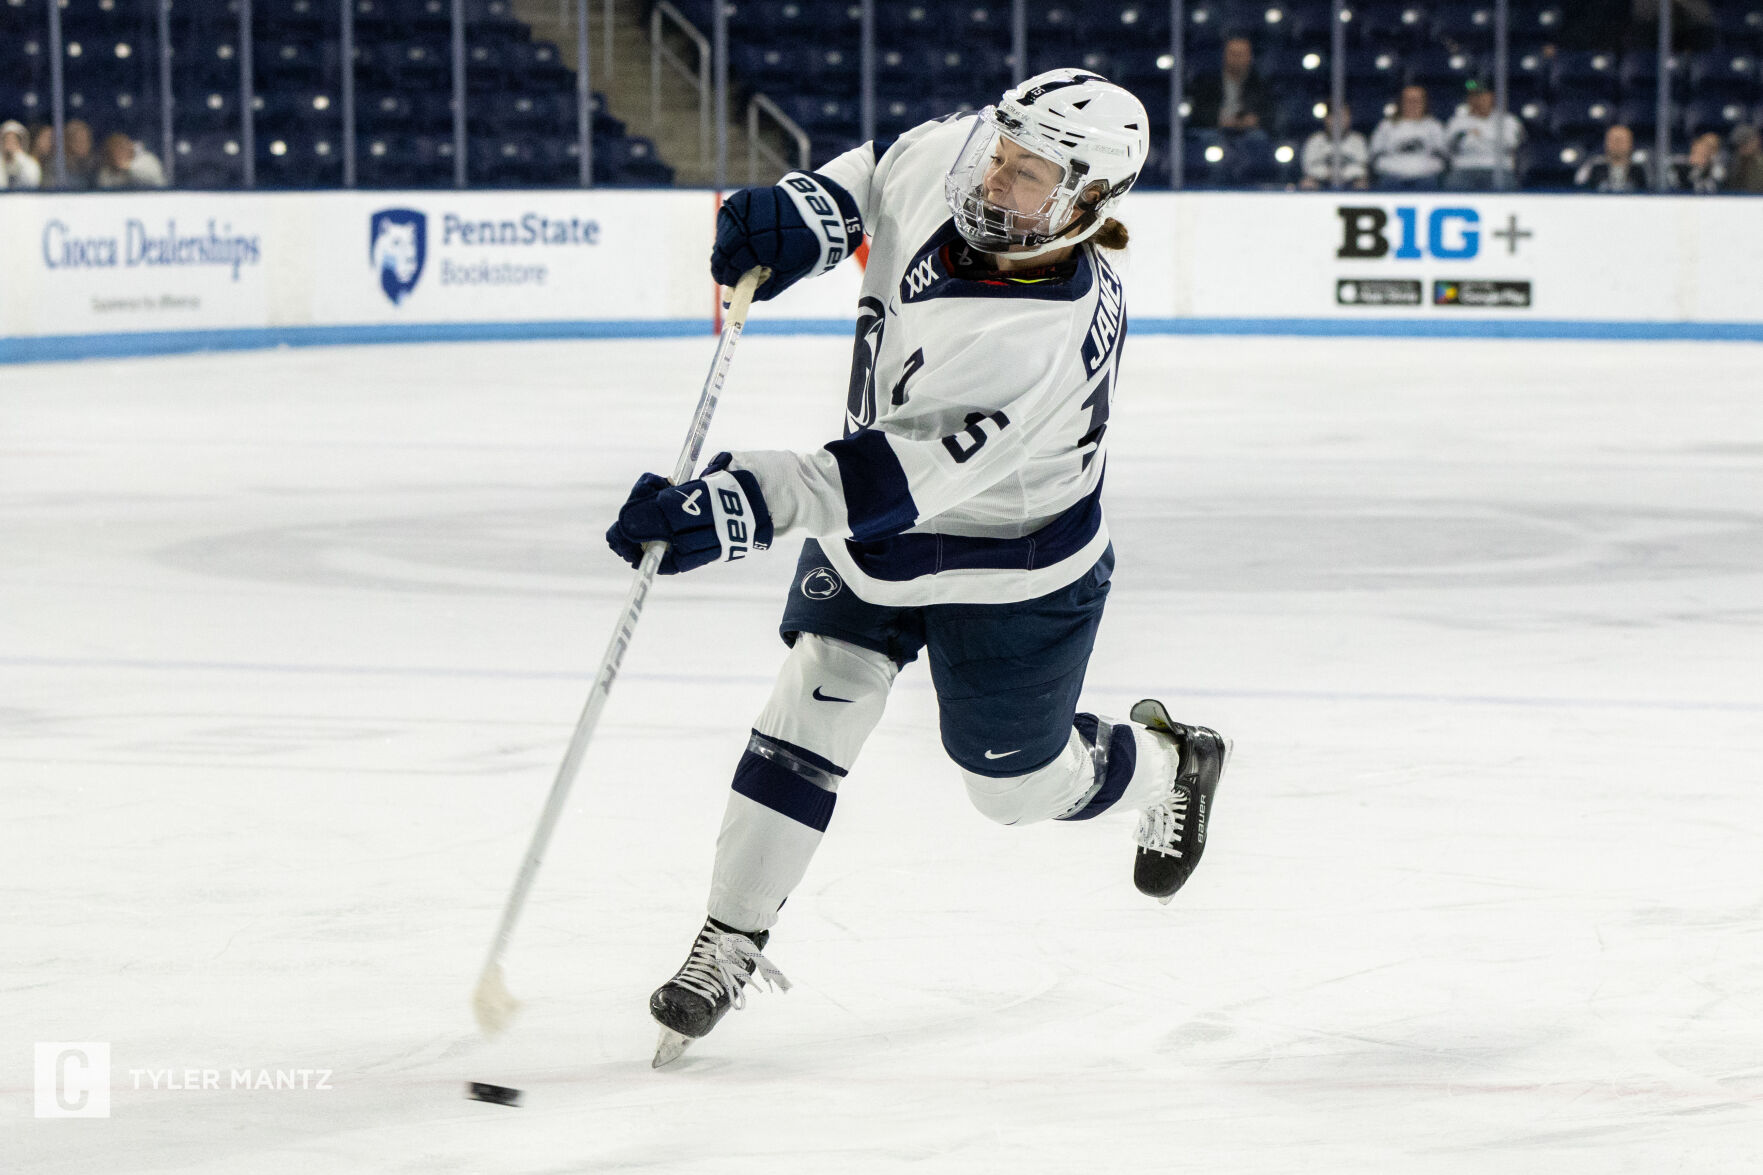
{"x": 1105, "y": 322}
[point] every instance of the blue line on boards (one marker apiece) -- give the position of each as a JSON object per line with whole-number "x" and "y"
{"x": 57, "y": 348}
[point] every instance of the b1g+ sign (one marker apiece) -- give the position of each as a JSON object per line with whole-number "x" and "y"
{"x": 1449, "y": 234}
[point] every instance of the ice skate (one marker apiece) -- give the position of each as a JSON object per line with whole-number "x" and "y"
{"x": 1172, "y": 830}
{"x": 722, "y": 963}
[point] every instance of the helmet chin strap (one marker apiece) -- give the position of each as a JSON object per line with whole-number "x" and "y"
{"x": 1087, "y": 218}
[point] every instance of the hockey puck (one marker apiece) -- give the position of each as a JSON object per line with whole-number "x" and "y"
{"x": 501, "y": 1095}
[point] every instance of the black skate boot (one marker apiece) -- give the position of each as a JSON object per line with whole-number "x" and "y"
{"x": 1172, "y": 831}
{"x": 722, "y": 963}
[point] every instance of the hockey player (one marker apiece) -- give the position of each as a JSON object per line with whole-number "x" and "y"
{"x": 959, "y": 515}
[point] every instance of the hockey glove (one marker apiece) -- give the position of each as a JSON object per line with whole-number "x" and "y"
{"x": 719, "y": 517}
{"x": 801, "y": 228}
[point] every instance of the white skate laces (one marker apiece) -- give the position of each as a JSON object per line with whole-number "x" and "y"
{"x": 1162, "y": 825}
{"x": 723, "y": 964}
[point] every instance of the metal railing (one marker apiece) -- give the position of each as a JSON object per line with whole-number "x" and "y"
{"x": 760, "y": 104}
{"x": 663, "y": 16}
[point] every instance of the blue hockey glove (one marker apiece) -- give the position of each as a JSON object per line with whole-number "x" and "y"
{"x": 801, "y": 228}
{"x": 719, "y": 517}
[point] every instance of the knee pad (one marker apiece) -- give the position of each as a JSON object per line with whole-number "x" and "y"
{"x": 829, "y": 695}
{"x": 1041, "y": 794}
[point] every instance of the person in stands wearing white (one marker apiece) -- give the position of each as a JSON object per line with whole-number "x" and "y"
{"x": 1408, "y": 151}
{"x": 1616, "y": 169}
{"x": 1477, "y": 137}
{"x": 1319, "y": 152}
{"x": 959, "y": 516}
{"x": 17, "y": 169}
{"x": 127, "y": 164}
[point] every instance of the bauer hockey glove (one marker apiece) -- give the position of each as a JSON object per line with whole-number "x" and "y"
{"x": 801, "y": 228}
{"x": 719, "y": 517}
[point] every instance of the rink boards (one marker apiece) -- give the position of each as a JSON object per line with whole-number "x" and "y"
{"x": 112, "y": 274}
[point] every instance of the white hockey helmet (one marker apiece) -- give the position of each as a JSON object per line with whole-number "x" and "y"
{"x": 1091, "y": 138}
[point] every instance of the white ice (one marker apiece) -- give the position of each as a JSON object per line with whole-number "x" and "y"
{"x": 291, "y": 644}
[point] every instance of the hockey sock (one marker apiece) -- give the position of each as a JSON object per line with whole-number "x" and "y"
{"x": 828, "y": 698}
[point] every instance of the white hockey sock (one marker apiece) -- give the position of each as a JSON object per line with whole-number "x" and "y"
{"x": 828, "y": 697}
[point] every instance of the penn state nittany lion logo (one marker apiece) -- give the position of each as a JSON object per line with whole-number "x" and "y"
{"x": 397, "y": 246}
{"x": 821, "y": 584}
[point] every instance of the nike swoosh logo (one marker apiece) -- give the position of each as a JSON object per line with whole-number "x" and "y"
{"x": 1005, "y": 755}
{"x": 820, "y": 697}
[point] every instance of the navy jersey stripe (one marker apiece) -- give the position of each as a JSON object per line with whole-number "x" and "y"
{"x": 878, "y": 498}
{"x": 908, "y": 556}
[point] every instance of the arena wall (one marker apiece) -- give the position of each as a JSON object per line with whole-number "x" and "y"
{"x": 119, "y": 274}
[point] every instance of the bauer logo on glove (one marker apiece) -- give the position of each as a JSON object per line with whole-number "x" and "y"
{"x": 736, "y": 522}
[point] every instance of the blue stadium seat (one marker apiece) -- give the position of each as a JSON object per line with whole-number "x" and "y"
{"x": 537, "y": 65}
{"x": 1581, "y": 118}
{"x": 1289, "y": 66}
{"x": 1060, "y": 20}
{"x": 976, "y": 22}
{"x": 833, "y": 70}
{"x": 1741, "y": 25}
{"x": 1640, "y": 115}
{"x": 1713, "y": 114}
{"x": 1135, "y": 22}
{"x": 1294, "y": 115}
{"x": 209, "y": 160}
{"x": 384, "y": 112}
{"x": 1585, "y": 72}
{"x": 1639, "y": 72}
{"x": 1469, "y": 26}
{"x": 295, "y": 61}
{"x": 1375, "y": 66}
{"x": 1550, "y": 163}
{"x": 1435, "y": 66}
{"x": 276, "y": 19}
{"x": 779, "y": 65}
{"x": 1723, "y": 74}
{"x": 1056, "y": 56}
{"x": 299, "y": 160}
{"x": 908, "y": 24}
{"x": 635, "y": 161}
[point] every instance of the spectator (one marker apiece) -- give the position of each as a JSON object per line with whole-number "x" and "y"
{"x": 1235, "y": 99}
{"x": 127, "y": 164}
{"x": 1408, "y": 151}
{"x": 1615, "y": 170}
{"x": 82, "y": 165}
{"x": 1477, "y": 136}
{"x": 1703, "y": 171}
{"x": 1745, "y": 172}
{"x": 1319, "y": 153}
{"x": 17, "y": 168}
{"x": 43, "y": 149}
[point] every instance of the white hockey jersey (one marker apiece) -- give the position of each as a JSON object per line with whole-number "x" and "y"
{"x": 971, "y": 466}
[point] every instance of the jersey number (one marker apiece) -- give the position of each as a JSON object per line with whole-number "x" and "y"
{"x": 961, "y": 448}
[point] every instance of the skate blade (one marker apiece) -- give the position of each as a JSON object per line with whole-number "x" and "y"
{"x": 670, "y": 1048}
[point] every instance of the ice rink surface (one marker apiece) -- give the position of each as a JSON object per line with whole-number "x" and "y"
{"x": 291, "y": 644}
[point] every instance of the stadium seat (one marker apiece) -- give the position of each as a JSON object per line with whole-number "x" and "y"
{"x": 1374, "y": 66}
{"x": 1713, "y": 114}
{"x": 1640, "y": 115}
{"x": 1468, "y": 26}
{"x": 1580, "y": 119}
{"x": 1292, "y": 66}
{"x": 1435, "y": 66}
{"x": 1135, "y": 22}
{"x": 209, "y": 161}
{"x": 1584, "y": 72}
{"x": 1060, "y": 21}
{"x": 1723, "y": 75}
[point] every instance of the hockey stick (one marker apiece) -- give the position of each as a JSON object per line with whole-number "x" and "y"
{"x": 492, "y": 1002}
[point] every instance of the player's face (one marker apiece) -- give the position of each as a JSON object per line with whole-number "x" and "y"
{"x": 1018, "y": 180}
